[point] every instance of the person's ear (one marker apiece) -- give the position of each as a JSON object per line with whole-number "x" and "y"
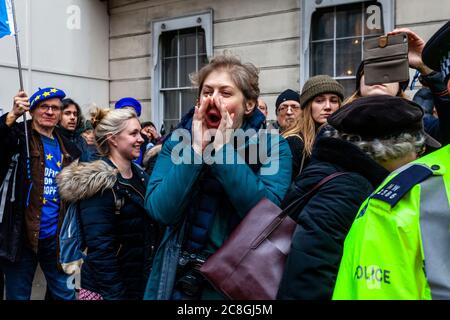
{"x": 250, "y": 105}
{"x": 112, "y": 140}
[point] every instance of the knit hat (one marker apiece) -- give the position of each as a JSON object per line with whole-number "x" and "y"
{"x": 286, "y": 95}
{"x": 436, "y": 53}
{"x": 318, "y": 85}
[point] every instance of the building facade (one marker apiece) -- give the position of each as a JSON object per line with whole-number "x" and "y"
{"x": 156, "y": 44}
{"x": 63, "y": 43}
{"x": 148, "y": 48}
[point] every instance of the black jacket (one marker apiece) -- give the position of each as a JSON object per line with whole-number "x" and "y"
{"x": 120, "y": 236}
{"x": 74, "y": 137}
{"x": 323, "y": 223}
{"x": 438, "y": 128}
{"x": 14, "y": 184}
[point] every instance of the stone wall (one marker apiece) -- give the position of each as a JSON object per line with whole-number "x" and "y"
{"x": 264, "y": 32}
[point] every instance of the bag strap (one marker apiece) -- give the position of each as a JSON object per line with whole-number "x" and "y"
{"x": 311, "y": 192}
{"x": 302, "y": 163}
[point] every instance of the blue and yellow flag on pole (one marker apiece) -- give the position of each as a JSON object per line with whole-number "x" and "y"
{"x": 6, "y": 18}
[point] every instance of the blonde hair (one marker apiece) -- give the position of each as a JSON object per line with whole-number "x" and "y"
{"x": 292, "y": 130}
{"x": 306, "y": 128}
{"x": 109, "y": 122}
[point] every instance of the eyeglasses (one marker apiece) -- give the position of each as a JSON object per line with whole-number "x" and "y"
{"x": 45, "y": 108}
{"x": 284, "y": 108}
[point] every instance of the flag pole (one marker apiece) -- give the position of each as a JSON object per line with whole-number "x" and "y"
{"x": 19, "y": 66}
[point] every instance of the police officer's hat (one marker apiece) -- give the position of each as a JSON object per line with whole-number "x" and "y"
{"x": 436, "y": 53}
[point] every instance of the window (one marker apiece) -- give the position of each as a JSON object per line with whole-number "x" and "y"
{"x": 181, "y": 46}
{"x": 183, "y": 53}
{"x": 337, "y": 34}
{"x": 333, "y": 40}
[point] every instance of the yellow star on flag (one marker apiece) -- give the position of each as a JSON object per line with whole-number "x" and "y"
{"x": 37, "y": 98}
{"x": 58, "y": 164}
{"x": 46, "y": 94}
{"x": 49, "y": 157}
{"x": 54, "y": 199}
{"x": 54, "y": 90}
{"x": 44, "y": 201}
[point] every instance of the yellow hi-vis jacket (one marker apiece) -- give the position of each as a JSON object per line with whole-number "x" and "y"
{"x": 399, "y": 244}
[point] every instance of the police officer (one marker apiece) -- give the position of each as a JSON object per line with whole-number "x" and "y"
{"x": 399, "y": 245}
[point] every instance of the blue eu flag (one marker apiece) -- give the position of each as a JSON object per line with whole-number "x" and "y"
{"x": 6, "y": 18}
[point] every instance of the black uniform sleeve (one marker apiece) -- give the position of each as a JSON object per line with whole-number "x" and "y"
{"x": 438, "y": 128}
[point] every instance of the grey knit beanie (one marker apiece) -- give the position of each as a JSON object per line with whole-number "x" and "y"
{"x": 318, "y": 85}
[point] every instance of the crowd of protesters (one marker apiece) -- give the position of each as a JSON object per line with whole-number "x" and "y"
{"x": 153, "y": 208}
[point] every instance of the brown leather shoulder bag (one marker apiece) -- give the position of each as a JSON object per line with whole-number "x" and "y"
{"x": 250, "y": 263}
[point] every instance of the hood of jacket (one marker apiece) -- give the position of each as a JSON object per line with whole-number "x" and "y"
{"x": 82, "y": 180}
{"x": 350, "y": 158}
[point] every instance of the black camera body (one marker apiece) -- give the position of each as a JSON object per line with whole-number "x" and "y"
{"x": 190, "y": 280}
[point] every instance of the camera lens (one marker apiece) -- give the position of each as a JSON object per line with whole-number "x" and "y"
{"x": 189, "y": 284}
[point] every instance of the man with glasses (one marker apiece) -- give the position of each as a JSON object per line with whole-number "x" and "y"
{"x": 287, "y": 109}
{"x": 30, "y": 210}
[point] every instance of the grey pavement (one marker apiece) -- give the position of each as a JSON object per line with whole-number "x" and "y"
{"x": 39, "y": 284}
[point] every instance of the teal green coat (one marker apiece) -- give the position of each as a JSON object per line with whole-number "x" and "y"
{"x": 172, "y": 186}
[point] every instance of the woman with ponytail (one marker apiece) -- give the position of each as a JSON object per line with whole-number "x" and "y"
{"x": 119, "y": 235}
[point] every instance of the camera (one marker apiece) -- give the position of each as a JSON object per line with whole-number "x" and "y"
{"x": 190, "y": 283}
{"x": 190, "y": 280}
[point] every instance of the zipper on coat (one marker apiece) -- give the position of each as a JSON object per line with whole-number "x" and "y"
{"x": 126, "y": 184}
{"x": 118, "y": 250}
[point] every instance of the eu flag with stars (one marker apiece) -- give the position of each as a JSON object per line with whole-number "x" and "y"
{"x": 6, "y": 18}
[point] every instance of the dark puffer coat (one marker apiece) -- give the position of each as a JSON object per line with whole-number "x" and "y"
{"x": 323, "y": 223}
{"x": 120, "y": 236}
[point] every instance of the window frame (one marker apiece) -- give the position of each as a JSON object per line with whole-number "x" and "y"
{"x": 310, "y": 6}
{"x": 205, "y": 21}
